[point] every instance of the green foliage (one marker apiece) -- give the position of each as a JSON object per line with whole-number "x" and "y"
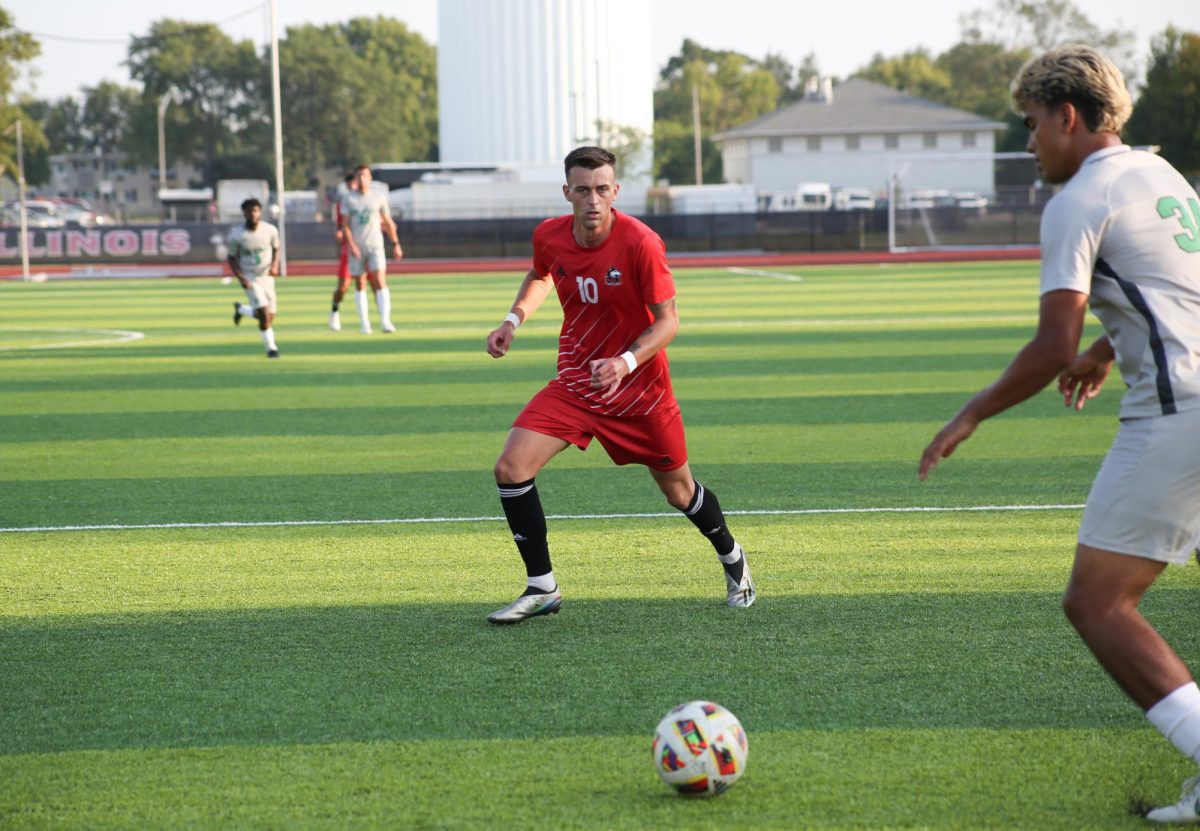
{"x": 16, "y": 48}
{"x": 1168, "y": 111}
{"x": 218, "y": 84}
{"x": 733, "y": 89}
{"x": 901, "y": 670}
{"x": 362, "y": 91}
{"x": 914, "y": 72}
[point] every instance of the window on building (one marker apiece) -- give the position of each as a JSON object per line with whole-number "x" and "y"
{"x": 851, "y": 142}
{"x": 813, "y": 143}
{"x": 891, "y": 141}
{"x": 929, "y": 140}
{"x": 968, "y": 139}
{"x": 775, "y": 145}
{"x": 131, "y": 195}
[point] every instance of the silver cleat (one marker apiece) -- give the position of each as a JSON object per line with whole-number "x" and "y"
{"x": 527, "y": 606}
{"x": 740, "y": 595}
{"x": 1186, "y": 810}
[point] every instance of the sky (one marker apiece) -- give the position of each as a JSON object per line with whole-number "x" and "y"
{"x": 90, "y": 38}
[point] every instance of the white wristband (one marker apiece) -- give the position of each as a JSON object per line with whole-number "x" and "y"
{"x": 629, "y": 360}
{"x": 513, "y": 319}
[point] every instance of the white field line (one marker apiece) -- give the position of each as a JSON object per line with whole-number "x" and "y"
{"x": 774, "y": 275}
{"x": 112, "y": 336}
{"x": 450, "y": 520}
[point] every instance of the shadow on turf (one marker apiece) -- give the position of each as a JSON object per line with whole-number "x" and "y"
{"x": 416, "y": 671}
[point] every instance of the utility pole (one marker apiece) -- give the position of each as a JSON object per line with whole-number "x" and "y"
{"x": 278, "y": 141}
{"x": 165, "y": 100}
{"x": 24, "y": 241}
{"x": 696, "y": 132}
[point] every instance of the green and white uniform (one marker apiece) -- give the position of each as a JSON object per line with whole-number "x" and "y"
{"x": 1126, "y": 231}
{"x": 255, "y": 251}
{"x": 362, "y": 212}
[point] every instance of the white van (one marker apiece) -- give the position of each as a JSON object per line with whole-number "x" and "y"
{"x": 853, "y": 199}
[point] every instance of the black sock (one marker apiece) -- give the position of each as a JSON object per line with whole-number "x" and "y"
{"x": 527, "y": 521}
{"x": 335, "y": 306}
{"x": 705, "y": 513}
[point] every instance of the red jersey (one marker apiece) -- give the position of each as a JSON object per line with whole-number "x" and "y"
{"x": 605, "y": 294}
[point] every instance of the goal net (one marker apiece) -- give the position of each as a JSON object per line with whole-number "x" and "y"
{"x": 943, "y": 201}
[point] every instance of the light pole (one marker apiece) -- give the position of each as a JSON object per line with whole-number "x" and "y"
{"x": 24, "y": 241}
{"x": 276, "y": 106}
{"x": 171, "y": 94}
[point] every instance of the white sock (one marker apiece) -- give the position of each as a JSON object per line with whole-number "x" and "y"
{"x": 383, "y": 299}
{"x": 544, "y": 582}
{"x": 268, "y": 336}
{"x": 732, "y": 557}
{"x": 364, "y": 311}
{"x": 1178, "y": 718}
{"x": 246, "y": 311}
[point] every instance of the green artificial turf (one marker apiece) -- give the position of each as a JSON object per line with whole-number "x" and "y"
{"x": 301, "y": 641}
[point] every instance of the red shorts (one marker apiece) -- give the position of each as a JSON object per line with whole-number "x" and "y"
{"x": 344, "y": 263}
{"x": 655, "y": 441}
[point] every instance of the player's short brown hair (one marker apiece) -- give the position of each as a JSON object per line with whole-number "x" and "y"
{"x": 589, "y": 157}
{"x": 1079, "y": 75}
{"x": 361, "y": 167}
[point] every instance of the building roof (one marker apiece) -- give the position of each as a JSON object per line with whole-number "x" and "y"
{"x": 860, "y": 106}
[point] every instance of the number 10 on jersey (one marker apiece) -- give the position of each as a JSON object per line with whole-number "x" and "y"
{"x": 589, "y": 291}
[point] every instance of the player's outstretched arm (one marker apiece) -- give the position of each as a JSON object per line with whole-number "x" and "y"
{"x": 1060, "y": 323}
{"x": 1085, "y": 376}
{"x": 530, "y": 295}
{"x": 608, "y": 372}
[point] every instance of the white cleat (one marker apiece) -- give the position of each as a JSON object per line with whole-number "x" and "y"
{"x": 335, "y": 321}
{"x": 365, "y": 328}
{"x": 387, "y": 327}
{"x": 1186, "y": 810}
{"x": 527, "y": 606}
{"x": 740, "y": 595}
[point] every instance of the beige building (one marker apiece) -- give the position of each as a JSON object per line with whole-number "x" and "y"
{"x": 113, "y": 185}
{"x": 850, "y": 136}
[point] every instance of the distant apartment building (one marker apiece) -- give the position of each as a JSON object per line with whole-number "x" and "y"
{"x": 113, "y": 184}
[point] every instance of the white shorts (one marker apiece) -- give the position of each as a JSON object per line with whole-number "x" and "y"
{"x": 374, "y": 259}
{"x": 261, "y": 293}
{"x": 1146, "y": 498}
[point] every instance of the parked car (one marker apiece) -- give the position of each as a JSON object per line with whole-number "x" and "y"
{"x": 851, "y": 199}
{"x": 39, "y": 213}
{"x": 79, "y": 213}
{"x": 969, "y": 200}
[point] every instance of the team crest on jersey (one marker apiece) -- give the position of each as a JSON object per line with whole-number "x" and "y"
{"x": 612, "y": 278}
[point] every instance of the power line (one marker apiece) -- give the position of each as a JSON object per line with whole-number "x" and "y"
{"x": 256, "y": 8}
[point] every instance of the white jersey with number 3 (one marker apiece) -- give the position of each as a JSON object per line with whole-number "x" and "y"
{"x": 1126, "y": 231}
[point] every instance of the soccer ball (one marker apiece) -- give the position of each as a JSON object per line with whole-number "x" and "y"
{"x": 699, "y": 748}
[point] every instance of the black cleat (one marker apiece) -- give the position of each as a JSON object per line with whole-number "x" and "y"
{"x": 237, "y": 314}
{"x": 272, "y": 353}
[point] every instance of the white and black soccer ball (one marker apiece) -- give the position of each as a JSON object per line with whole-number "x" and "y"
{"x": 700, "y": 749}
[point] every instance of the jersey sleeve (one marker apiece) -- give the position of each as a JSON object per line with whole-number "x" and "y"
{"x": 1071, "y": 234}
{"x": 541, "y": 260}
{"x": 655, "y": 279}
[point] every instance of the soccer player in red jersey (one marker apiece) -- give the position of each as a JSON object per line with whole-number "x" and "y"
{"x": 618, "y": 300}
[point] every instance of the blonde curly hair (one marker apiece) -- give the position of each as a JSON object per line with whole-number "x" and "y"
{"x": 1080, "y": 75}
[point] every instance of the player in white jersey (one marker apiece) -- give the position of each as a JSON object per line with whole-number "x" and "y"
{"x": 254, "y": 260}
{"x": 1124, "y": 234}
{"x": 364, "y": 217}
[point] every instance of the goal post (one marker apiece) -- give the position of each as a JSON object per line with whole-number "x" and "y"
{"x": 947, "y": 201}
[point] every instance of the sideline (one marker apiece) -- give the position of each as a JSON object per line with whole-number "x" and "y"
{"x": 451, "y": 520}
{"x": 774, "y": 275}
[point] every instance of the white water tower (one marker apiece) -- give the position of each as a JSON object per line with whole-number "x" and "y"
{"x": 526, "y": 81}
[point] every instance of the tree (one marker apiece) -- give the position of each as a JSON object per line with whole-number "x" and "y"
{"x": 221, "y": 106}
{"x": 361, "y": 91}
{"x": 914, "y": 72}
{"x": 733, "y": 89}
{"x": 1168, "y": 111}
{"x": 16, "y": 48}
{"x": 980, "y": 74}
{"x": 104, "y": 119}
{"x": 793, "y": 81}
{"x": 1034, "y": 26}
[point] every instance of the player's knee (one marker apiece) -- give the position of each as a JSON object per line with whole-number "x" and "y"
{"x": 678, "y": 496}
{"x": 508, "y": 471}
{"x": 1082, "y": 607}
